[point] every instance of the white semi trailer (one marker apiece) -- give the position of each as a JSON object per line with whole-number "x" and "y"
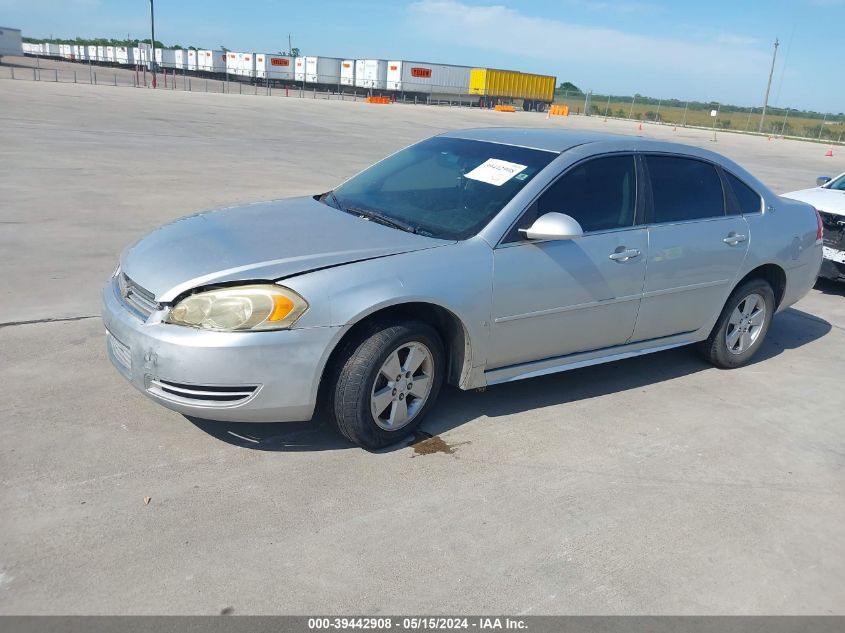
{"x": 275, "y": 67}
{"x": 371, "y": 73}
{"x": 425, "y": 80}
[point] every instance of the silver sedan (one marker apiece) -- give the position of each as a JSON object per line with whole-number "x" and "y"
{"x": 472, "y": 258}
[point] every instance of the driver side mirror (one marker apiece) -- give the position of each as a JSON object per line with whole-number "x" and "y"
{"x": 554, "y": 226}
{"x": 821, "y": 181}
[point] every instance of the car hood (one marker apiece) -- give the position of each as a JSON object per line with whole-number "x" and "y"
{"x": 263, "y": 241}
{"x": 827, "y": 200}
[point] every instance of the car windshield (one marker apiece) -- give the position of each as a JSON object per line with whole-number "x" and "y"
{"x": 838, "y": 184}
{"x": 443, "y": 187}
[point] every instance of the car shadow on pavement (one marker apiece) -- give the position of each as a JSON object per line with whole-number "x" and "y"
{"x": 790, "y": 330}
{"x": 830, "y": 287}
{"x": 316, "y": 435}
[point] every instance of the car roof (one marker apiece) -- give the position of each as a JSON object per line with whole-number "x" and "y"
{"x": 556, "y": 140}
{"x": 559, "y": 141}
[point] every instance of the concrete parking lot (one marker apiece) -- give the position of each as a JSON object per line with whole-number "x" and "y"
{"x": 649, "y": 486}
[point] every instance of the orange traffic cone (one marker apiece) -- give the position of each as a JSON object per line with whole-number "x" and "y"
{"x": 829, "y": 151}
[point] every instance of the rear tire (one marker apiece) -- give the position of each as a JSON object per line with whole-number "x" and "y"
{"x": 742, "y": 326}
{"x": 374, "y": 409}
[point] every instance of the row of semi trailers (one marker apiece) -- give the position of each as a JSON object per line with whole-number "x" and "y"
{"x": 414, "y": 79}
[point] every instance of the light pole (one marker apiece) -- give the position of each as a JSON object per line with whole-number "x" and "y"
{"x": 152, "y": 42}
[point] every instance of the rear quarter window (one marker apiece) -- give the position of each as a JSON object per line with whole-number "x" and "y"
{"x": 749, "y": 200}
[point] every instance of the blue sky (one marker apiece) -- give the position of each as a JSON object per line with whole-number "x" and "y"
{"x": 717, "y": 50}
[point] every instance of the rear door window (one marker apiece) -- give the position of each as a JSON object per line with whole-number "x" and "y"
{"x": 684, "y": 189}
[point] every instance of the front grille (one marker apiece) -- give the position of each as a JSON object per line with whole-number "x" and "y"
{"x": 207, "y": 395}
{"x": 141, "y": 301}
{"x": 834, "y": 230}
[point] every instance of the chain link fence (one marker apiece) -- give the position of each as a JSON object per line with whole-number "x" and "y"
{"x": 779, "y": 122}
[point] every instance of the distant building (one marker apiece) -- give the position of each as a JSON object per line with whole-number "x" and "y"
{"x": 10, "y": 42}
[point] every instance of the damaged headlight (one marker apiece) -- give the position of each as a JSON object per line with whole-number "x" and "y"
{"x": 254, "y": 308}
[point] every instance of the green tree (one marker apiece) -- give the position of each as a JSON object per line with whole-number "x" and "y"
{"x": 567, "y": 86}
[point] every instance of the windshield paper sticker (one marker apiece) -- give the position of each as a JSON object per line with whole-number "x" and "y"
{"x": 495, "y": 172}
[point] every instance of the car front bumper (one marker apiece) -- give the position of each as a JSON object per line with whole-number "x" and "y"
{"x": 227, "y": 376}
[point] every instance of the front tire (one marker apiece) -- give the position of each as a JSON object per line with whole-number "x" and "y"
{"x": 742, "y": 326}
{"x": 388, "y": 380}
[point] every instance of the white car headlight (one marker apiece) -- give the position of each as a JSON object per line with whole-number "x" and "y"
{"x": 256, "y": 307}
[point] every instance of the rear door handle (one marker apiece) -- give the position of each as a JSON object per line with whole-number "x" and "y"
{"x": 733, "y": 239}
{"x": 624, "y": 255}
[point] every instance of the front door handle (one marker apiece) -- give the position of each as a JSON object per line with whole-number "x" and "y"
{"x": 733, "y": 239}
{"x": 625, "y": 254}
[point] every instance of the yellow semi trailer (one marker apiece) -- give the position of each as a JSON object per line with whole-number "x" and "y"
{"x": 495, "y": 86}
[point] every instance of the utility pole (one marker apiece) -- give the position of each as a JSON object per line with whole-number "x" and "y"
{"x": 290, "y": 48}
{"x": 152, "y": 43}
{"x": 768, "y": 85}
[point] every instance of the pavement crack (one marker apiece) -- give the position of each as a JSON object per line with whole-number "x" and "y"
{"x": 49, "y": 320}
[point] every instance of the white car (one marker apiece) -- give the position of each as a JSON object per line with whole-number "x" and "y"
{"x": 829, "y": 200}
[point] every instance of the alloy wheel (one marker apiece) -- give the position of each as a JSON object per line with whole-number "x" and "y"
{"x": 402, "y": 386}
{"x": 745, "y": 323}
